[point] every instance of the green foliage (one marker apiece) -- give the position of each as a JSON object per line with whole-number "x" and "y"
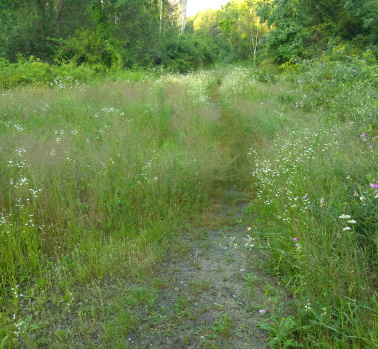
{"x": 317, "y": 206}
{"x": 186, "y": 53}
{"x": 235, "y": 30}
{"x": 114, "y": 34}
{"x": 37, "y": 73}
{"x": 288, "y": 42}
{"x": 303, "y": 29}
{"x": 96, "y": 179}
{"x": 223, "y": 325}
{"x": 24, "y": 72}
{"x": 91, "y": 48}
{"x": 345, "y": 85}
{"x": 281, "y": 332}
{"x": 129, "y": 34}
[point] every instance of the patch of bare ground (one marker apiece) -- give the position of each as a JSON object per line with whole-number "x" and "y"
{"x": 213, "y": 291}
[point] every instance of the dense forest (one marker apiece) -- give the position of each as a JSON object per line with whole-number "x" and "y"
{"x": 150, "y": 33}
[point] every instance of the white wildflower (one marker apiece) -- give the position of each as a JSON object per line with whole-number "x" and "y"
{"x": 344, "y": 216}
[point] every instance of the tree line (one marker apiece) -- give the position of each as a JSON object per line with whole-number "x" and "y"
{"x": 149, "y": 33}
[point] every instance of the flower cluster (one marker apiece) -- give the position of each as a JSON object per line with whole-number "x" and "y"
{"x": 249, "y": 241}
{"x": 349, "y": 220}
{"x": 375, "y": 186}
{"x": 195, "y": 85}
{"x": 67, "y": 82}
{"x": 236, "y": 84}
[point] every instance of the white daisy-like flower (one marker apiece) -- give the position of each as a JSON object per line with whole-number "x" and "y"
{"x": 344, "y": 216}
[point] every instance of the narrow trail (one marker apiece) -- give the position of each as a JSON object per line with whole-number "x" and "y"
{"x": 213, "y": 292}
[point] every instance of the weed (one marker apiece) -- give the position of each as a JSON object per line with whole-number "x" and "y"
{"x": 281, "y": 332}
{"x": 223, "y": 325}
{"x": 229, "y": 257}
{"x": 182, "y": 309}
{"x": 199, "y": 286}
{"x": 250, "y": 281}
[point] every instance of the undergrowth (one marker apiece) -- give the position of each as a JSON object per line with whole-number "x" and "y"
{"x": 316, "y": 202}
{"x": 95, "y": 181}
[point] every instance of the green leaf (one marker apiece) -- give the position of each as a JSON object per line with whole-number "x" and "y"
{"x": 3, "y": 342}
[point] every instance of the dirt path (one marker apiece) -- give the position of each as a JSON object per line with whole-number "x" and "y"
{"x": 216, "y": 294}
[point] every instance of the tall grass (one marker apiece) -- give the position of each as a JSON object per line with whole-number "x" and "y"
{"x": 96, "y": 179}
{"x": 316, "y": 208}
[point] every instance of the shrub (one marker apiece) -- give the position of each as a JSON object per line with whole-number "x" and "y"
{"x": 185, "y": 54}
{"x": 346, "y": 88}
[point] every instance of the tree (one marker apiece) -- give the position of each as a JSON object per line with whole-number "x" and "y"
{"x": 206, "y": 20}
{"x": 183, "y": 14}
{"x": 300, "y": 28}
{"x": 114, "y": 33}
{"x": 238, "y": 29}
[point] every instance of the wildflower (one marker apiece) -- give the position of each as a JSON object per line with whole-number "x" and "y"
{"x": 262, "y": 311}
{"x": 362, "y": 198}
{"x": 352, "y": 221}
{"x": 374, "y": 185}
{"x": 347, "y": 228}
{"x": 23, "y": 180}
{"x": 344, "y": 216}
{"x": 321, "y": 201}
{"x": 295, "y": 239}
{"x": 308, "y": 306}
{"x": 249, "y": 241}
{"x": 363, "y": 135}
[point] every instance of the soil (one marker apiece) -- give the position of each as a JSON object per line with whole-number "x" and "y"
{"x": 213, "y": 292}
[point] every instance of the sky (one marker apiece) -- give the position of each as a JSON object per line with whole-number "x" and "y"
{"x": 195, "y": 6}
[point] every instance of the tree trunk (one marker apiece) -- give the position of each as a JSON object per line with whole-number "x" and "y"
{"x": 58, "y": 12}
{"x": 183, "y": 14}
{"x": 161, "y": 16}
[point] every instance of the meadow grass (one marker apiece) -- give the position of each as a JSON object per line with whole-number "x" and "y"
{"x": 319, "y": 217}
{"x": 316, "y": 208}
{"x": 97, "y": 181}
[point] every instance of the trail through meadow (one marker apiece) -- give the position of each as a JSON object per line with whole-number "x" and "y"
{"x": 176, "y": 223}
{"x": 146, "y": 248}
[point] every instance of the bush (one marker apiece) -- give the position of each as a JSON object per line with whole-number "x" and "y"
{"x": 185, "y": 54}
{"x": 31, "y": 71}
{"x": 347, "y": 86}
{"x": 38, "y": 73}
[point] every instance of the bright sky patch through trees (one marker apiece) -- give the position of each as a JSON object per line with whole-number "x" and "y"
{"x": 195, "y": 6}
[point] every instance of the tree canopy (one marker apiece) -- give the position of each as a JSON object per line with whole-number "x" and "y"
{"x": 140, "y": 33}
